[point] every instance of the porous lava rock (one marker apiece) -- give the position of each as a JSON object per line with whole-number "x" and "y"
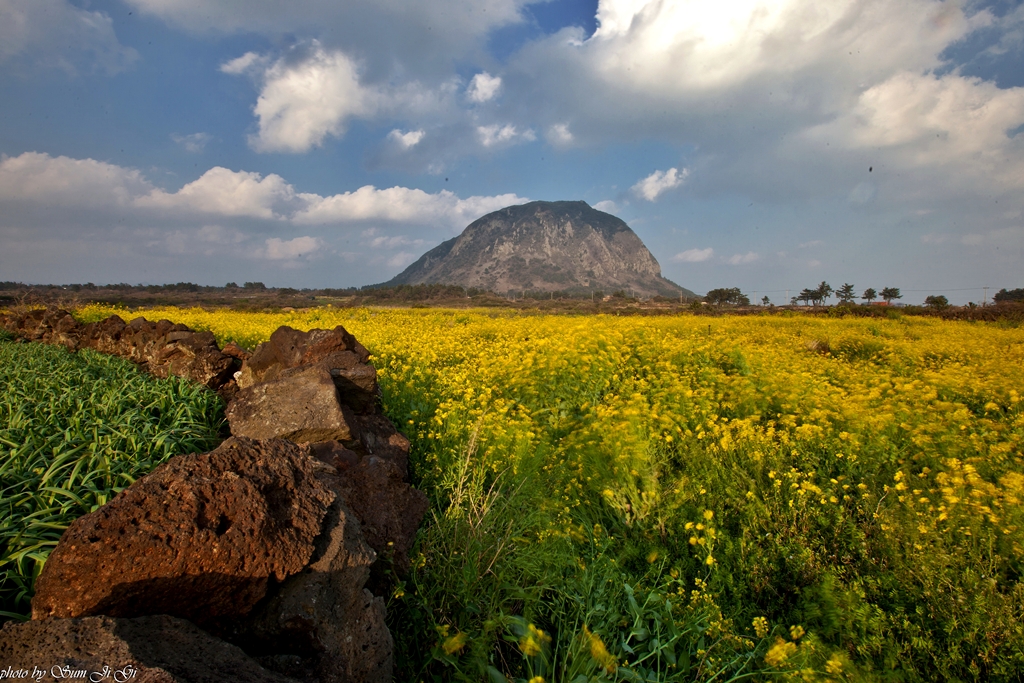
{"x": 335, "y": 350}
{"x": 388, "y": 508}
{"x": 162, "y": 348}
{"x": 380, "y": 438}
{"x": 267, "y": 541}
{"x": 50, "y": 325}
{"x": 198, "y": 538}
{"x": 151, "y": 649}
{"x": 301, "y": 404}
{"x": 323, "y": 615}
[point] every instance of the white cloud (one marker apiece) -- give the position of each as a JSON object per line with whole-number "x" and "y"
{"x": 928, "y": 121}
{"x": 401, "y": 259}
{"x": 303, "y": 102}
{"x": 742, "y": 259}
{"x": 68, "y": 220}
{"x": 194, "y": 142}
{"x": 416, "y": 39}
{"x": 209, "y": 240}
{"x": 276, "y": 249}
{"x": 689, "y": 45}
{"x": 62, "y": 181}
{"x": 694, "y": 255}
{"x": 406, "y": 140}
{"x": 390, "y": 242}
{"x": 783, "y": 99}
{"x": 1012, "y": 237}
{"x": 559, "y": 135}
{"x": 36, "y": 179}
{"x": 400, "y": 204}
{"x": 56, "y": 34}
{"x": 483, "y": 87}
{"x": 240, "y": 65}
{"x": 862, "y": 193}
{"x": 658, "y": 182}
{"x": 311, "y": 93}
{"x": 608, "y": 206}
{"x": 228, "y": 193}
{"x": 495, "y": 135}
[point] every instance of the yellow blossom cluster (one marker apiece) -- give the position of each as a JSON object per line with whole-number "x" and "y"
{"x": 907, "y": 431}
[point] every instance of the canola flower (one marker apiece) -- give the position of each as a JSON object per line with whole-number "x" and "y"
{"x": 532, "y": 643}
{"x": 599, "y": 652}
{"x": 779, "y": 652}
{"x": 826, "y": 446}
{"x": 455, "y": 643}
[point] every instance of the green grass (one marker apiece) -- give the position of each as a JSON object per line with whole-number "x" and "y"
{"x": 76, "y": 429}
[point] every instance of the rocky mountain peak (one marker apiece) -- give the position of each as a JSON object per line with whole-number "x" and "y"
{"x": 564, "y": 246}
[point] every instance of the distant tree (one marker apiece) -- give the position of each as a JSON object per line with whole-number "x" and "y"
{"x": 869, "y": 295}
{"x": 890, "y": 293}
{"x": 845, "y": 293}
{"x": 254, "y": 285}
{"x": 937, "y": 302}
{"x": 231, "y": 285}
{"x": 807, "y": 296}
{"x": 765, "y": 301}
{"x": 1013, "y": 295}
{"x": 730, "y": 295}
{"x": 823, "y": 292}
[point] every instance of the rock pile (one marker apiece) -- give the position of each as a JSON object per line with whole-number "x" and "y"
{"x": 162, "y": 348}
{"x": 265, "y": 543}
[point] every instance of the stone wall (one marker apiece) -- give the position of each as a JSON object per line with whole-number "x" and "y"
{"x": 259, "y": 550}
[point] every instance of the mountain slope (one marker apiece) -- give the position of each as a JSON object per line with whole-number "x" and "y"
{"x": 547, "y": 247}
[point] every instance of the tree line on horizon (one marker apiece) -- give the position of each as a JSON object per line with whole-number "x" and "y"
{"x": 846, "y": 295}
{"x": 721, "y": 296}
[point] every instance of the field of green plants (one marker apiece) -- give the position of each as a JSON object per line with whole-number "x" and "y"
{"x": 75, "y": 429}
{"x": 685, "y": 498}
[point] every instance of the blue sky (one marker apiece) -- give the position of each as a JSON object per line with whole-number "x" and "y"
{"x": 760, "y": 144}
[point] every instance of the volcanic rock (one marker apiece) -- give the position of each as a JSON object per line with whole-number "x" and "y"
{"x": 300, "y": 405}
{"x": 161, "y": 348}
{"x": 547, "y": 247}
{"x": 380, "y": 438}
{"x": 199, "y": 537}
{"x": 323, "y": 615}
{"x": 388, "y": 508}
{"x": 152, "y": 649}
{"x": 336, "y": 350}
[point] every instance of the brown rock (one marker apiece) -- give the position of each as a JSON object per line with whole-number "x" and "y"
{"x": 337, "y": 350}
{"x": 301, "y": 405}
{"x": 103, "y": 336}
{"x": 199, "y": 537}
{"x": 162, "y": 348}
{"x": 235, "y": 351}
{"x": 335, "y": 454}
{"x": 388, "y": 508}
{"x": 154, "y": 649}
{"x": 325, "y": 615}
{"x": 64, "y": 329}
{"x": 379, "y": 437}
{"x": 375, "y": 488}
{"x": 193, "y": 355}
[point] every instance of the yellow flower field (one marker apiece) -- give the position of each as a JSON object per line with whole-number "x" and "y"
{"x": 859, "y": 480}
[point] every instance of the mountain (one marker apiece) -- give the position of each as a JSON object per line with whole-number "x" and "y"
{"x": 547, "y": 247}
